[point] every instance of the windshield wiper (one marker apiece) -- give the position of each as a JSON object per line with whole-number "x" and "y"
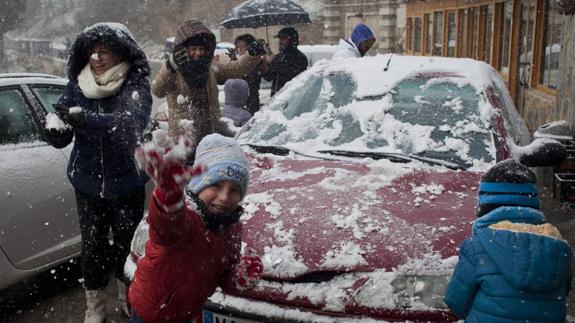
{"x": 276, "y": 150}
{"x": 283, "y": 151}
{"x": 394, "y": 157}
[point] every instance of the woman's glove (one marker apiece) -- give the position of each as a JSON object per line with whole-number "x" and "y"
{"x": 73, "y": 116}
{"x": 164, "y": 163}
{"x": 248, "y": 271}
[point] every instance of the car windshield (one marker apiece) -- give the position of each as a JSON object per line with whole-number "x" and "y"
{"x": 432, "y": 116}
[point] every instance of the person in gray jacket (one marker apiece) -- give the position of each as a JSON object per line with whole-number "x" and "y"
{"x": 237, "y": 92}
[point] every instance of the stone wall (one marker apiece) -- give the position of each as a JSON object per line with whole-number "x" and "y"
{"x": 566, "y": 93}
{"x": 386, "y": 18}
{"x": 536, "y": 107}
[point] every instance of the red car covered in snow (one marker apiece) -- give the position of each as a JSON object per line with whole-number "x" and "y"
{"x": 363, "y": 186}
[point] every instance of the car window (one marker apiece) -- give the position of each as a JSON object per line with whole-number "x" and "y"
{"x": 48, "y": 95}
{"x": 452, "y": 111}
{"x": 16, "y": 124}
{"x": 316, "y": 95}
{"x": 434, "y": 116}
{"x": 319, "y": 91}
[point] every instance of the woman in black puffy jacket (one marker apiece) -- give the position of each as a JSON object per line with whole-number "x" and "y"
{"x": 107, "y": 105}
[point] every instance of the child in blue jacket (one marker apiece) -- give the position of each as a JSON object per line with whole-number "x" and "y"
{"x": 515, "y": 267}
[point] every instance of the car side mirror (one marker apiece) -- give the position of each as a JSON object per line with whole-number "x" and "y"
{"x": 542, "y": 152}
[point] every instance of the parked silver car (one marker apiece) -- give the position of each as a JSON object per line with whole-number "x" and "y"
{"x": 38, "y": 219}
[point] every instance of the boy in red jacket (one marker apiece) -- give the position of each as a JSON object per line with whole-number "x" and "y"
{"x": 195, "y": 237}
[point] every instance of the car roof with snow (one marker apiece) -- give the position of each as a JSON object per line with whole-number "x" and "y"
{"x": 30, "y": 78}
{"x": 372, "y": 80}
{"x": 418, "y": 106}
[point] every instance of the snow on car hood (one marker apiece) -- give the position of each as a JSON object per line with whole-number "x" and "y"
{"x": 310, "y": 215}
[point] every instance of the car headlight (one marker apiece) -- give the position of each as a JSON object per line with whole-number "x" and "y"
{"x": 414, "y": 290}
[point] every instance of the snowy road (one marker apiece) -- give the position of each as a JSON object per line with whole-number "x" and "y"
{"x": 55, "y": 296}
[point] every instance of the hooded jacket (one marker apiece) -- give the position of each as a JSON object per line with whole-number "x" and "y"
{"x": 510, "y": 276}
{"x": 102, "y": 160}
{"x": 346, "y": 49}
{"x": 237, "y": 92}
{"x": 174, "y": 87}
{"x": 183, "y": 264}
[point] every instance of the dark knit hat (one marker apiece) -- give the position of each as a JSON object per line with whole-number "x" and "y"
{"x": 507, "y": 183}
{"x": 198, "y": 40}
{"x": 290, "y": 32}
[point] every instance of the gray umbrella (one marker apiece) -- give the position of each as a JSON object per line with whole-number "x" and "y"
{"x": 260, "y": 13}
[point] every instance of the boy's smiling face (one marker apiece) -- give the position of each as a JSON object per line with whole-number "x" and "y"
{"x": 222, "y": 197}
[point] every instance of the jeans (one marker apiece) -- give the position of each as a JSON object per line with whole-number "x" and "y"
{"x": 97, "y": 216}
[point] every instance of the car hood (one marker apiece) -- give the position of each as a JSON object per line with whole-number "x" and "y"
{"x": 307, "y": 216}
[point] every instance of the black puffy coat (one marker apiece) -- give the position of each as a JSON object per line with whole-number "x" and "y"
{"x": 285, "y": 66}
{"x": 102, "y": 159}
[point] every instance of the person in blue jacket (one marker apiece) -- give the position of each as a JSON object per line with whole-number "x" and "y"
{"x": 361, "y": 40}
{"x": 106, "y": 105}
{"x": 515, "y": 267}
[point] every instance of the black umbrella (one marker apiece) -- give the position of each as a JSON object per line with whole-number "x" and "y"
{"x": 260, "y": 13}
{"x": 263, "y": 13}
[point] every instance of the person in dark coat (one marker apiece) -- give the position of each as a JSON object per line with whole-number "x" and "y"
{"x": 107, "y": 105}
{"x": 515, "y": 267}
{"x": 288, "y": 63}
{"x": 254, "y": 77}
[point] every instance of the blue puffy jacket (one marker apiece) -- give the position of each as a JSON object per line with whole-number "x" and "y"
{"x": 507, "y": 276}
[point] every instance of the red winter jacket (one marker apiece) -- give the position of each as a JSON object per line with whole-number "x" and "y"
{"x": 183, "y": 265}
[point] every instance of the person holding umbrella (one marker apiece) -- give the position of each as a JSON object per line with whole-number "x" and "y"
{"x": 254, "y": 77}
{"x": 288, "y": 63}
{"x": 190, "y": 76}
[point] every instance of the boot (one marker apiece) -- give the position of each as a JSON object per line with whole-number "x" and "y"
{"x": 123, "y": 304}
{"x": 96, "y": 306}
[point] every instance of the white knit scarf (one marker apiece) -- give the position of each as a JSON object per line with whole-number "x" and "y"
{"x": 97, "y": 87}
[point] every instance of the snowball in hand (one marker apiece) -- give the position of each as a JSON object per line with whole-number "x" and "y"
{"x": 75, "y": 110}
{"x": 53, "y": 122}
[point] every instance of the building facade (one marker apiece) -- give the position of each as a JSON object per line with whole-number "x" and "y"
{"x": 386, "y": 18}
{"x": 520, "y": 39}
{"x": 566, "y": 92}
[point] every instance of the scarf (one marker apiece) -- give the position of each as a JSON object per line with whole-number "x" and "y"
{"x": 196, "y": 71}
{"x": 107, "y": 84}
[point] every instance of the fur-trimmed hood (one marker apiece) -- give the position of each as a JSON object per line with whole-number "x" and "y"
{"x": 114, "y": 35}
